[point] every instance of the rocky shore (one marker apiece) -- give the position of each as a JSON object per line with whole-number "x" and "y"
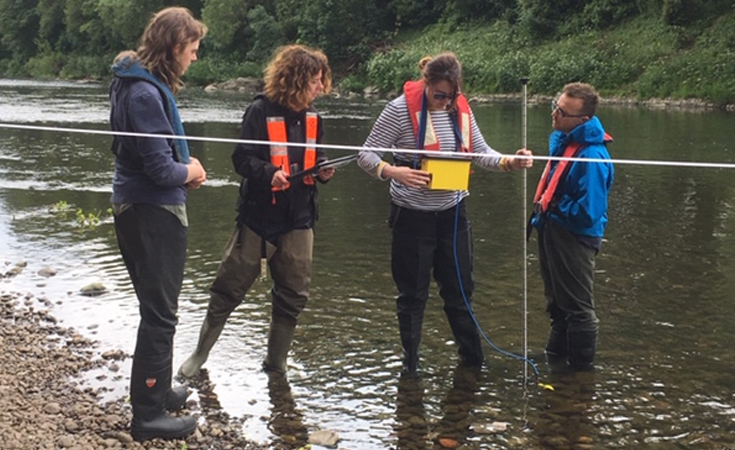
{"x": 43, "y": 405}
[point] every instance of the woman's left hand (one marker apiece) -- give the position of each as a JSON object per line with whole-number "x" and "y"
{"x": 522, "y": 163}
{"x": 326, "y": 174}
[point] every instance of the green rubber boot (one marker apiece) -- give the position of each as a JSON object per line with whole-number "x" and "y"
{"x": 207, "y": 337}
{"x": 279, "y": 342}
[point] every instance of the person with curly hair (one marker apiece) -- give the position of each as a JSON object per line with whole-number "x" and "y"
{"x": 276, "y": 213}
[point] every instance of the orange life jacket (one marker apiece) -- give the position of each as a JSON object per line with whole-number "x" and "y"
{"x": 546, "y": 188}
{"x": 279, "y": 146}
{"x": 414, "y": 92}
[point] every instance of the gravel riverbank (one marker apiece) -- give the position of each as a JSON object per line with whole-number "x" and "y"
{"x": 43, "y": 405}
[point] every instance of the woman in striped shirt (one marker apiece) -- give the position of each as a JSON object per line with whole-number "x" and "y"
{"x": 431, "y": 114}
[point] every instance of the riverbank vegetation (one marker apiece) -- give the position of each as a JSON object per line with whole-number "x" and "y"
{"x": 641, "y": 49}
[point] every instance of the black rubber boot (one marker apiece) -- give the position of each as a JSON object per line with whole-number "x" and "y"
{"x": 582, "y": 348}
{"x": 149, "y": 388}
{"x": 163, "y": 427}
{"x": 468, "y": 339}
{"x": 410, "y": 331}
{"x": 176, "y": 398}
{"x": 557, "y": 349}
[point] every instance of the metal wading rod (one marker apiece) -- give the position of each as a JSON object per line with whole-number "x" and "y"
{"x": 524, "y": 240}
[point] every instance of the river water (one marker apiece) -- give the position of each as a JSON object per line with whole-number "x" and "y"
{"x": 664, "y": 284}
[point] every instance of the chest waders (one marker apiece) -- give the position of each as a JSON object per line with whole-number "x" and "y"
{"x": 245, "y": 258}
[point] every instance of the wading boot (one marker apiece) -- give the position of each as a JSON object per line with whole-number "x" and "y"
{"x": 469, "y": 345}
{"x": 208, "y": 335}
{"x": 557, "y": 350}
{"x": 410, "y": 331}
{"x": 279, "y": 342}
{"x": 582, "y": 347}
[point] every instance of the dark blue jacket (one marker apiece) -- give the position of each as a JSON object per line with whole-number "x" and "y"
{"x": 580, "y": 203}
{"x": 146, "y": 169}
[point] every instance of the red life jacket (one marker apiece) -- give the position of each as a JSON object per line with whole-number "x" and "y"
{"x": 546, "y": 188}
{"x": 279, "y": 149}
{"x": 414, "y": 92}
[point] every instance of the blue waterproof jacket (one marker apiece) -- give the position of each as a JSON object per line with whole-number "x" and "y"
{"x": 580, "y": 203}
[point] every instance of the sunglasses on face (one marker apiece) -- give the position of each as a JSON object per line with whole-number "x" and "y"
{"x": 439, "y": 95}
{"x": 555, "y": 107}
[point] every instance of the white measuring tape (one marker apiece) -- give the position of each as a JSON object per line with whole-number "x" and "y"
{"x": 644, "y": 162}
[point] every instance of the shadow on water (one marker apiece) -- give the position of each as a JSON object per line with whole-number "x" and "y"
{"x": 664, "y": 281}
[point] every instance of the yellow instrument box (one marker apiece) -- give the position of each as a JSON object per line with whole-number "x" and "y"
{"x": 448, "y": 173}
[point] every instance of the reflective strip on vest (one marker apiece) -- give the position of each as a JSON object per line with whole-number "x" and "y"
{"x": 464, "y": 126}
{"x": 310, "y": 151}
{"x": 278, "y": 148}
{"x": 547, "y": 188}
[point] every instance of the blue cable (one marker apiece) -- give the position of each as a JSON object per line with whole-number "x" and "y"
{"x": 467, "y": 303}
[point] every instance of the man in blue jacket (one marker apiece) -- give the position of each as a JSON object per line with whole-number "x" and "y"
{"x": 571, "y": 215}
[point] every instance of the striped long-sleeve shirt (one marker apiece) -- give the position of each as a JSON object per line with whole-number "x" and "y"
{"x": 393, "y": 129}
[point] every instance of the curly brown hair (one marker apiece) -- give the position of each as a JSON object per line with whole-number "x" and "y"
{"x": 288, "y": 74}
{"x": 168, "y": 32}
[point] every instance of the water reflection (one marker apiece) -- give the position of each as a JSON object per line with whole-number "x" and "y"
{"x": 411, "y": 427}
{"x": 286, "y": 422}
{"x": 457, "y": 408}
{"x": 664, "y": 283}
{"x": 565, "y": 418}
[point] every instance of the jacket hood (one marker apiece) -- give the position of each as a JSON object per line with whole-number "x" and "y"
{"x": 590, "y": 132}
{"x": 127, "y": 67}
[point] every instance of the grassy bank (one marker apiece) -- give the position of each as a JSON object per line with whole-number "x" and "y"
{"x": 642, "y": 59}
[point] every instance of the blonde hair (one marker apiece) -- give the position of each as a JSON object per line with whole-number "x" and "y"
{"x": 288, "y": 74}
{"x": 168, "y": 32}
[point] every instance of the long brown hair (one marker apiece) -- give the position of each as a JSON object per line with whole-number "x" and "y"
{"x": 288, "y": 74}
{"x": 442, "y": 67}
{"x": 168, "y": 32}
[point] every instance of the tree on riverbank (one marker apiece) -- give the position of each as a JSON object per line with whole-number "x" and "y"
{"x": 645, "y": 48}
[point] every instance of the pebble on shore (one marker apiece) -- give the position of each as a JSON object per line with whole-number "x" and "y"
{"x": 43, "y": 407}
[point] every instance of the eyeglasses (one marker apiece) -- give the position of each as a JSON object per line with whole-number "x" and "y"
{"x": 439, "y": 95}
{"x": 555, "y": 107}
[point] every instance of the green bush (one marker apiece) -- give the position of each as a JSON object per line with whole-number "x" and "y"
{"x": 211, "y": 69}
{"x": 706, "y": 71}
{"x": 354, "y": 82}
{"x": 45, "y": 66}
{"x": 509, "y": 69}
{"x": 388, "y": 71}
{"x": 80, "y": 66}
